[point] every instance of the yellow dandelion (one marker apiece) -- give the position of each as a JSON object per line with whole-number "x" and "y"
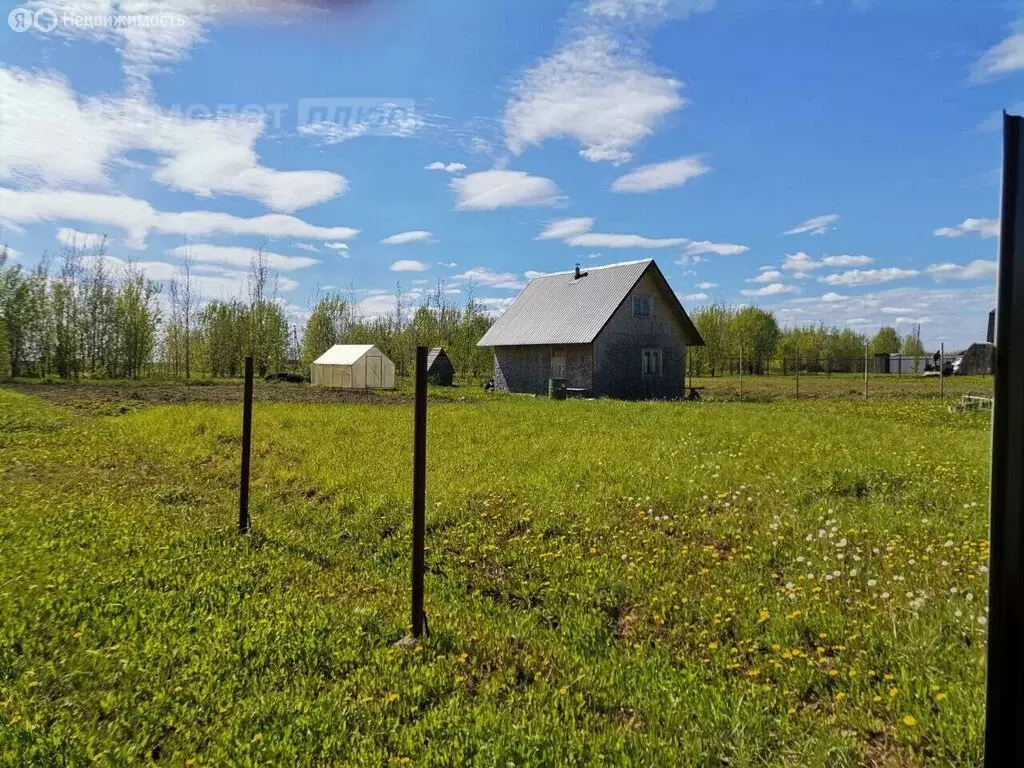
{"x": 894, "y": 691}
{"x": 909, "y": 721}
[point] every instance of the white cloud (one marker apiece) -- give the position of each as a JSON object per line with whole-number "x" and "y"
{"x": 696, "y": 297}
{"x": 602, "y": 240}
{"x": 1004, "y": 57}
{"x": 307, "y": 247}
{"x": 379, "y": 302}
{"x": 833, "y": 298}
{"x": 495, "y": 305}
{"x": 437, "y": 165}
{"x": 576, "y": 232}
{"x": 448, "y": 264}
{"x": 50, "y": 136}
{"x": 706, "y": 286}
{"x": 646, "y": 10}
{"x": 530, "y": 274}
{"x": 337, "y": 246}
{"x": 978, "y": 269}
{"x": 408, "y": 265}
{"x": 868, "y": 276}
{"x": 213, "y": 284}
{"x": 81, "y": 240}
{"x": 594, "y": 92}
{"x": 138, "y": 218}
{"x": 385, "y": 119}
{"x": 563, "y": 228}
{"x": 767, "y": 276}
{"x": 774, "y": 289}
{"x": 799, "y": 262}
{"x": 847, "y": 260}
{"x": 649, "y": 178}
{"x": 237, "y": 256}
{"x": 983, "y": 227}
{"x": 11, "y": 252}
{"x": 698, "y": 247}
{"x": 488, "y": 277}
{"x": 817, "y": 225}
{"x": 488, "y": 190}
{"x": 413, "y": 236}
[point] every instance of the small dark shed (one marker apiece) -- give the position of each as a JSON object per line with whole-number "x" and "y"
{"x": 440, "y": 370}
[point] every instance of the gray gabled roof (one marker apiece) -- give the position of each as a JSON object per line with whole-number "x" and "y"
{"x": 434, "y": 354}
{"x": 560, "y": 309}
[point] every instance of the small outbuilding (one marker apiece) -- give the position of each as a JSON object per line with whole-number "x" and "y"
{"x": 353, "y": 366}
{"x": 440, "y": 370}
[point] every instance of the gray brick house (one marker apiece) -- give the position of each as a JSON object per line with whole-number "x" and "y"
{"x": 615, "y": 331}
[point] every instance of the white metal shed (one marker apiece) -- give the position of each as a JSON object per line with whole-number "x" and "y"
{"x": 353, "y": 366}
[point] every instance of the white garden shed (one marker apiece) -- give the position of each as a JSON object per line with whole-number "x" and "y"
{"x": 353, "y": 366}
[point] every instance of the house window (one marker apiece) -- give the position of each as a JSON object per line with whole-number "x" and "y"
{"x": 650, "y": 362}
{"x": 642, "y": 306}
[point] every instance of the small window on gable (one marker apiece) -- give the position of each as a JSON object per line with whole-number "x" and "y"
{"x": 650, "y": 362}
{"x": 641, "y": 306}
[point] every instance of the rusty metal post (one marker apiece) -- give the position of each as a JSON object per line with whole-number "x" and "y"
{"x": 243, "y": 488}
{"x": 419, "y": 490}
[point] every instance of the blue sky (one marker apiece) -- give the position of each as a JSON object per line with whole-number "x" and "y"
{"x": 835, "y": 161}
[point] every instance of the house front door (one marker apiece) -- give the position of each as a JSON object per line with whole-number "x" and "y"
{"x": 558, "y": 363}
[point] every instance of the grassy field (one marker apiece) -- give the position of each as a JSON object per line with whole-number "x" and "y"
{"x": 721, "y": 583}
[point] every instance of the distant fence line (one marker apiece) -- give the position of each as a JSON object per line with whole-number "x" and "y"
{"x": 896, "y": 365}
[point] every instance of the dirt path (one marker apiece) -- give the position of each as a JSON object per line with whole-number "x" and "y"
{"x": 124, "y": 397}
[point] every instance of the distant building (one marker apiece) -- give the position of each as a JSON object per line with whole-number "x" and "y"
{"x": 353, "y": 366}
{"x": 440, "y": 370}
{"x": 614, "y": 331}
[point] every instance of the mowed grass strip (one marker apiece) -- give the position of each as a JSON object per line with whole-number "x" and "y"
{"x": 795, "y": 583}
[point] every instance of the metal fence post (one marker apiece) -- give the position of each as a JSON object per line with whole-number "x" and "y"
{"x": 865, "y": 370}
{"x": 1004, "y": 703}
{"x": 741, "y": 371}
{"x": 243, "y": 487}
{"x": 942, "y": 372}
{"x": 797, "y": 370}
{"x": 419, "y": 489}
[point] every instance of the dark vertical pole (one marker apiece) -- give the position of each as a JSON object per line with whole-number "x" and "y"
{"x": 942, "y": 372}
{"x": 419, "y": 489}
{"x": 243, "y": 487}
{"x": 1004, "y": 705}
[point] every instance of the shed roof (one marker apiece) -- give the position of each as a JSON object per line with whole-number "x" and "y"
{"x": 433, "y": 355}
{"x": 343, "y": 354}
{"x": 560, "y": 309}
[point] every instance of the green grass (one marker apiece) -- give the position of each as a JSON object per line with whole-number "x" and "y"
{"x": 742, "y": 584}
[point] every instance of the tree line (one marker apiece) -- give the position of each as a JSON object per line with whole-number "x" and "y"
{"x": 77, "y": 316}
{"x": 752, "y": 337}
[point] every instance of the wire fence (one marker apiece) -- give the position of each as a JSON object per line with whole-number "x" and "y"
{"x": 898, "y": 365}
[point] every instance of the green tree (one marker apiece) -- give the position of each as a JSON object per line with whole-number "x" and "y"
{"x": 328, "y": 324}
{"x": 757, "y": 332}
{"x": 886, "y": 340}
{"x": 714, "y": 322}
